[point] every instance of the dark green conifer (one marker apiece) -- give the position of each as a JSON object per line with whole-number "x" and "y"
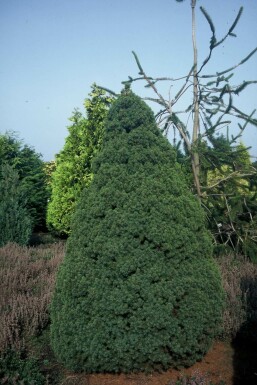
{"x": 15, "y": 220}
{"x": 138, "y": 288}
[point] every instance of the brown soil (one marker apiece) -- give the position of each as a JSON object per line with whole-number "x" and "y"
{"x": 218, "y": 365}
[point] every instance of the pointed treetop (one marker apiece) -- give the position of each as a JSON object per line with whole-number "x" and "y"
{"x": 127, "y": 89}
{"x": 128, "y": 112}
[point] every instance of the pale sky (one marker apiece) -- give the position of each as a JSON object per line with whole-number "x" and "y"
{"x": 52, "y": 51}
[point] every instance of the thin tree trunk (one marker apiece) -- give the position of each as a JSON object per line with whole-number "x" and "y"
{"x": 195, "y": 154}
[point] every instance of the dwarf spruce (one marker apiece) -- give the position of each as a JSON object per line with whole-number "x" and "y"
{"x": 138, "y": 289}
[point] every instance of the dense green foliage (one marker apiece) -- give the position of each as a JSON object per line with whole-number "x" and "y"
{"x": 15, "y": 220}
{"x": 73, "y": 164}
{"x": 49, "y": 168}
{"x": 138, "y": 288}
{"x": 14, "y": 369}
{"x": 30, "y": 168}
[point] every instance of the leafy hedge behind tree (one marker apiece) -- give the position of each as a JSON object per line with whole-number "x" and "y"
{"x": 15, "y": 220}
{"x": 138, "y": 288}
{"x": 30, "y": 168}
{"x": 73, "y": 164}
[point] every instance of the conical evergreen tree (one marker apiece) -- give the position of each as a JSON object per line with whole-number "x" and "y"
{"x": 138, "y": 288}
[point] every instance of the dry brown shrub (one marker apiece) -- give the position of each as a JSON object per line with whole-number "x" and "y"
{"x": 239, "y": 277}
{"x": 27, "y": 277}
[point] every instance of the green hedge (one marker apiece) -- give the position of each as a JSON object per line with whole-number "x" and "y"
{"x": 15, "y": 220}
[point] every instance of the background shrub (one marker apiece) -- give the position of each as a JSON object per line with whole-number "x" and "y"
{"x": 138, "y": 288}
{"x": 73, "y": 170}
{"x": 27, "y": 277}
{"x": 15, "y": 220}
{"x": 17, "y": 371}
{"x": 30, "y": 168}
{"x": 239, "y": 277}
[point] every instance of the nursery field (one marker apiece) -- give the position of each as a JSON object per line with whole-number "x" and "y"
{"x": 131, "y": 257}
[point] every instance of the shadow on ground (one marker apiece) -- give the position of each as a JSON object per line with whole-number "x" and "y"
{"x": 245, "y": 343}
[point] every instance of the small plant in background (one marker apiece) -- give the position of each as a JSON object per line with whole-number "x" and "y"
{"x": 27, "y": 277}
{"x": 239, "y": 278}
{"x": 232, "y": 205}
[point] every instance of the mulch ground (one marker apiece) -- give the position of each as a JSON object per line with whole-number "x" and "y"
{"x": 218, "y": 365}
